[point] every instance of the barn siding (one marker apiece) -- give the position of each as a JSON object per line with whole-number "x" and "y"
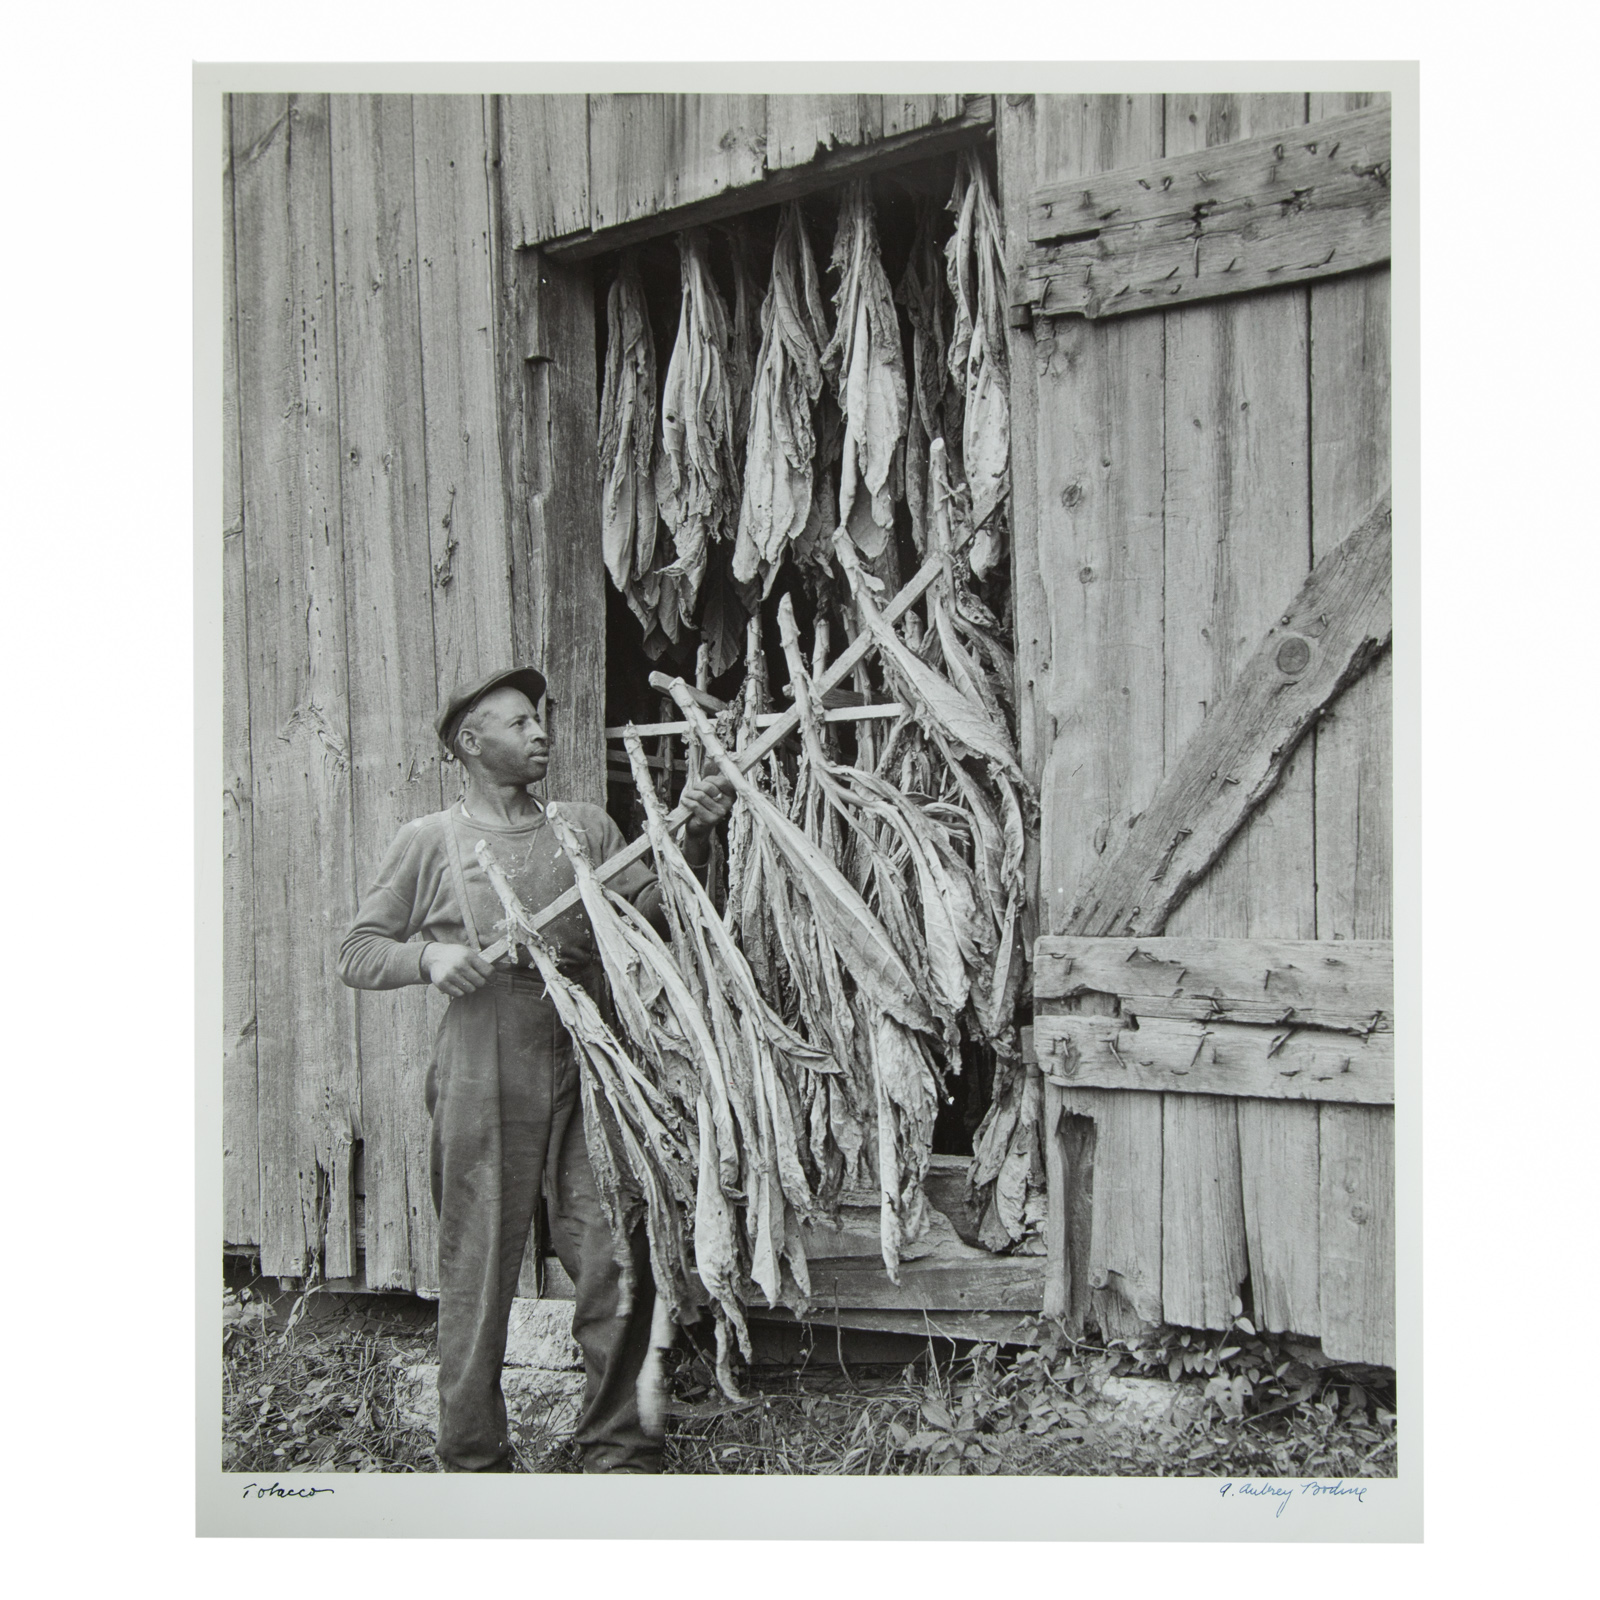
{"x": 370, "y": 572}
{"x": 241, "y": 1203}
{"x": 295, "y": 625}
{"x": 573, "y": 164}
{"x": 1181, "y": 473}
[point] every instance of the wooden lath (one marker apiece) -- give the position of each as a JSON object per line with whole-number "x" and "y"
{"x": 1286, "y": 208}
{"x": 785, "y": 723}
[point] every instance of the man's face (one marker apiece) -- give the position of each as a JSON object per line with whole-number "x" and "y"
{"x": 502, "y": 734}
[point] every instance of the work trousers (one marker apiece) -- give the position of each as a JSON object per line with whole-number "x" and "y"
{"x": 503, "y": 1093}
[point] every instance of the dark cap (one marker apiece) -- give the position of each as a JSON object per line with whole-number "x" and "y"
{"x": 528, "y": 679}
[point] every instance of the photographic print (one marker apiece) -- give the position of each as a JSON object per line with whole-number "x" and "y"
{"x": 808, "y": 844}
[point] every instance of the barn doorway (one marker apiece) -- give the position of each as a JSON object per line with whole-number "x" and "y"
{"x": 909, "y": 204}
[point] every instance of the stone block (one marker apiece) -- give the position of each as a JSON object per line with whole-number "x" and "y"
{"x": 540, "y": 1335}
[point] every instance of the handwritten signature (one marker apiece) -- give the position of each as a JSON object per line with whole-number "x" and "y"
{"x": 1284, "y": 1493}
{"x": 276, "y": 1491}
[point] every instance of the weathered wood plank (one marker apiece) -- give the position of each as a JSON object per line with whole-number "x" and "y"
{"x": 1257, "y": 980}
{"x": 515, "y": 295}
{"x": 241, "y": 1169}
{"x": 1089, "y": 654}
{"x": 1100, "y": 491}
{"x": 544, "y": 159}
{"x": 650, "y": 153}
{"x": 394, "y": 756}
{"x": 905, "y": 113}
{"x": 1238, "y": 539}
{"x": 1203, "y": 1251}
{"x": 1350, "y": 456}
{"x": 998, "y": 1283}
{"x": 299, "y": 732}
{"x": 1057, "y": 1234}
{"x": 564, "y": 517}
{"x": 1357, "y": 1233}
{"x": 1336, "y": 624}
{"x": 1216, "y": 1057}
{"x": 471, "y": 590}
{"x": 800, "y": 127}
{"x": 1017, "y": 173}
{"x": 1279, "y": 1175}
{"x": 1237, "y": 526}
{"x": 787, "y": 183}
{"x": 1259, "y": 213}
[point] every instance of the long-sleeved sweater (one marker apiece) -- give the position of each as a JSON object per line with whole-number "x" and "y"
{"x": 415, "y": 893}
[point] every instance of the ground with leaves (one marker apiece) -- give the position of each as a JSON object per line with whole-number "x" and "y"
{"x": 318, "y": 1384}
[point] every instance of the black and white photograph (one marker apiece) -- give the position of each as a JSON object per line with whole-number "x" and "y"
{"x": 808, "y": 796}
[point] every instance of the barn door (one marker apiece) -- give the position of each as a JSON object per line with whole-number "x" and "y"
{"x": 1201, "y": 461}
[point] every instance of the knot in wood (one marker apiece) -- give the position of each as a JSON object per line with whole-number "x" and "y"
{"x": 1294, "y": 655}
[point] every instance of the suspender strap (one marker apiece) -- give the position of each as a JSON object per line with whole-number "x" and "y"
{"x": 459, "y": 877}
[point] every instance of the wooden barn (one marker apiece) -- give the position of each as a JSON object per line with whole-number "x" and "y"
{"x": 1198, "y": 347}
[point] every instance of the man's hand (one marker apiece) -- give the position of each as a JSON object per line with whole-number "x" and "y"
{"x": 707, "y": 803}
{"x": 455, "y": 970}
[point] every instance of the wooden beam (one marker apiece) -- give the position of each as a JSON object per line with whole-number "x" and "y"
{"x": 1329, "y": 633}
{"x": 998, "y": 1283}
{"x": 829, "y": 169}
{"x": 1326, "y": 983}
{"x": 1185, "y": 1056}
{"x": 1284, "y": 208}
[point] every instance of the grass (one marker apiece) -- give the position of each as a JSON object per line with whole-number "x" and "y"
{"x": 317, "y": 1385}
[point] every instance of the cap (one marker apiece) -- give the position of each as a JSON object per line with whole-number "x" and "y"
{"x": 528, "y": 679}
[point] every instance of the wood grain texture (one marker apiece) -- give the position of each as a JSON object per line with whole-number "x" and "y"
{"x": 650, "y": 153}
{"x": 1336, "y": 624}
{"x": 564, "y": 517}
{"x": 394, "y": 756}
{"x": 544, "y": 162}
{"x": 1204, "y": 1255}
{"x": 1357, "y": 1233}
{"x": 1350, "y": 458}
{"x": 802, "y": 126}
{"x": 299, "y": 731}
{"x": 241, "y": 1170}
{"x": 778, "y": 184}
{"x": 1057, "y": 1290}
{"x": 1187, "y": 1056}
{"x": 905, "y": 113}
{"x": 996, "y": 1283}
{"x": 1349, "y": 984}
{"x": 1280, "y": 1178}
{"x": 1100, "y": 490}
{"x": 1123, "y": 1275}
{"x": 1238, "y": 535}
{"x": 1017, "y": 173}
{"x": 1238, "y": 544}
{"x": 1350, "y": 463}
{"x": 1256, "y": 213}
{"x": 1094, "y": 658}
{"x": 470, "y": 551}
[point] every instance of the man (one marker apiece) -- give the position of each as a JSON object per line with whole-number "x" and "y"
{"x": 503, "y": 1088}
